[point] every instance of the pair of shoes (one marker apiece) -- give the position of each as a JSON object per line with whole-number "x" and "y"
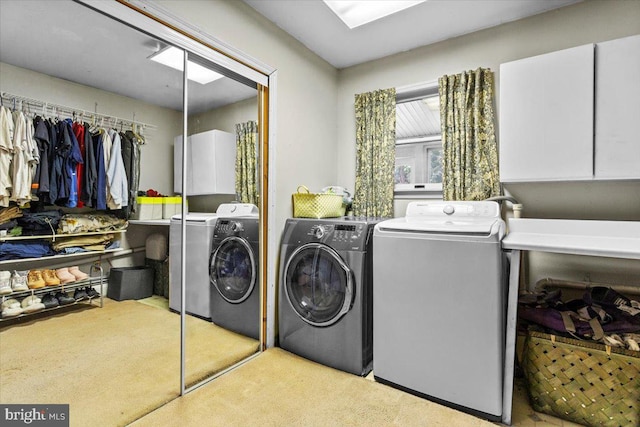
{"x": 80, "y": 294}
{"x": 92, "y": 293}
{"x": 64, "y": 275}
{"x": 5, "y": 283}
{"x": 11, "y": 308}
{"x": 31, "y": 304}
{"x": 50, "y": 301}
{"x": 35, "y": 279}
{"x": 79, "y": 275}
{"x": 19, "y": 281}
{"x": 64, "y": 299}
{"x": 50, "y": 278}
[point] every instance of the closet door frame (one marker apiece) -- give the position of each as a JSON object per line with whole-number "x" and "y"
{"x": 157, "y": 22}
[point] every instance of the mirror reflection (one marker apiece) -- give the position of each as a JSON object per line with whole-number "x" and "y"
{"x": 79, "y": 67}
{"x": 221, "y": 269}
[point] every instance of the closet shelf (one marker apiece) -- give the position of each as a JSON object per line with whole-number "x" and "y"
{"x": 54, "y": 236}
{"x": 119, "y": 251}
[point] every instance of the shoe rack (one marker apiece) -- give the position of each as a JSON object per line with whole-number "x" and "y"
{"x": 95, "y": 278}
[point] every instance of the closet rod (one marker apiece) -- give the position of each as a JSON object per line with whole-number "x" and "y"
{"x": 37, "y": 103}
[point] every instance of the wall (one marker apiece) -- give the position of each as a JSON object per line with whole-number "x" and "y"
{"x": 306, "y": 93}
{"x": 581, "y": 23}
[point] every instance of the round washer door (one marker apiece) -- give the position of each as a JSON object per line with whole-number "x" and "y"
{"x": 318, "y": 284}
{"x": 232, "y": 269}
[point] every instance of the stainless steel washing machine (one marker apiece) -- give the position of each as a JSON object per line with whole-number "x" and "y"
{"x": 199, "y": 234}
{"x": 234, "y": 274}
{"x": 325, "y": 300}
{"x": 439, "y": 292}
{"x": 199, "y": 229}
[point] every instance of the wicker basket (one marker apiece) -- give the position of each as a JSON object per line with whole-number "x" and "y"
{"x": 581, "y": 381}
{"x": 316, "y": 205}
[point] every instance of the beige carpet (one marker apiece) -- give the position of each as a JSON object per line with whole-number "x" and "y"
{"x": 278, "y": 388}
{"x": 111, "y": 364}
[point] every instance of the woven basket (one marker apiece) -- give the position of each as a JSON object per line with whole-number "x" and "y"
{"x": 316, "y": 205}
{"x": 581, "y": 381}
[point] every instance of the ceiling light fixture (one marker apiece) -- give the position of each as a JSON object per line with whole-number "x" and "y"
{"x": 359, "y": 12}
{"x": 173, "y": 57}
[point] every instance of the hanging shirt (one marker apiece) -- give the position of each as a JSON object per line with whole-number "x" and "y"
{"x": 90, "y": 175}
{"x": 72, "y": 160}
{"x": 6, "y": 155}
{"x": 78, "y": 131}
{"x": 99, "y": 139}
{"x": 41, "y": 137}
{"x": 23, "y": 160}
{"x": 116, "y": 175}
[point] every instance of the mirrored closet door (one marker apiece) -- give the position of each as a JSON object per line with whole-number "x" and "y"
{"x": 81, "y": 59}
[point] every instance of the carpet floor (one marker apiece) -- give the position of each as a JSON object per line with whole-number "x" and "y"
{"x": 278, "y": 388}
{"x": 113, "y": 364}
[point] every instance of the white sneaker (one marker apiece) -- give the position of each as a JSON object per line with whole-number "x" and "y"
{"x": 19, "y": 281}
{"x": 31, "y": 304}
{"x": 11, "y": 308}
{"x": 5, "y": 283}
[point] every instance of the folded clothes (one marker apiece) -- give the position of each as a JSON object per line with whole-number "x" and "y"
{"x": 19, "y": 250}
{"x": 10, "y": 213}
{"x": 40, "y": 223}
{"x": 83, "y": 241}
{"x": 83, "y": 223}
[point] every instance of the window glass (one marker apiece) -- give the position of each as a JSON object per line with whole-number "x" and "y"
{"x": 418, "y": 165}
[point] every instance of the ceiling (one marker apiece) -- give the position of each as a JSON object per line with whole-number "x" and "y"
{"x": 72, "y": 42}
{"x": 313, "y": 24}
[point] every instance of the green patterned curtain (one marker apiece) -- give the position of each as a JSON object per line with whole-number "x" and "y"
{"x": 246, "y": 161}
{"x": 468, "y": 136}
{"x": 375, "y": 153}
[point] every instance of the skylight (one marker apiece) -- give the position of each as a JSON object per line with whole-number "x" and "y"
{"x": 173, "y": 57}
{"x": 355, "y": 13}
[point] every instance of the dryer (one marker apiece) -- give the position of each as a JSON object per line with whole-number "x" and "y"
{"x": 234, "y": 273}
{"x": 325, "y": 299}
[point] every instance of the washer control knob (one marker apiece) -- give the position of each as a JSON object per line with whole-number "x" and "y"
{"x": 318, "y": 231}
{"x": 236, "y": 227}
{"x": 448, "y": 209}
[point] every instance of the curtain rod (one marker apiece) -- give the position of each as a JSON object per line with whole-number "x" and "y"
{"x": 71, "y": 111}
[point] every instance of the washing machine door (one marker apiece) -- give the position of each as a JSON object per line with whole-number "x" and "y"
{"x": 232, "y": 269}
{"x": 318, "y": 284}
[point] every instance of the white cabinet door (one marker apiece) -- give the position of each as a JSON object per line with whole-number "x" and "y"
{"x": 546, "y": 116}
{"x": 617, "y": 147}
{"x": 211, "y": 158}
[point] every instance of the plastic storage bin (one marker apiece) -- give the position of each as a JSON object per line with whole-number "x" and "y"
{"x": 148, "y": 208}
{"x": 130, "y": 283}
{"x": 171, "y": 206}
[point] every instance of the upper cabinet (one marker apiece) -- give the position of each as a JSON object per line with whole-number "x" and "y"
{"x": 617, "y": 147}
{"x": 211, "y": 160}
{"x": 568, "y": 115}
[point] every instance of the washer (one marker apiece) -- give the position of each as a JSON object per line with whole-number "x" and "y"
{"x": 439, "y": 292}
{"x": 233, "y": 275}
{"x": 324, "y": 301}
{"x": 199, "y": 232}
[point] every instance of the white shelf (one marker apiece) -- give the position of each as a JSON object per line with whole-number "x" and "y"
{"x": 615, "y": 239}
{"x": 150, "y": 221}
{"x": 53, "y": 257}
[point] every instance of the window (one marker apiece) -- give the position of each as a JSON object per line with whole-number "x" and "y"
{"x": 418, "y": 167}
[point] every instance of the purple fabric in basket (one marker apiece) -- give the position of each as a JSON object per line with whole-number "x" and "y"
{"x": 552, "y": 318}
